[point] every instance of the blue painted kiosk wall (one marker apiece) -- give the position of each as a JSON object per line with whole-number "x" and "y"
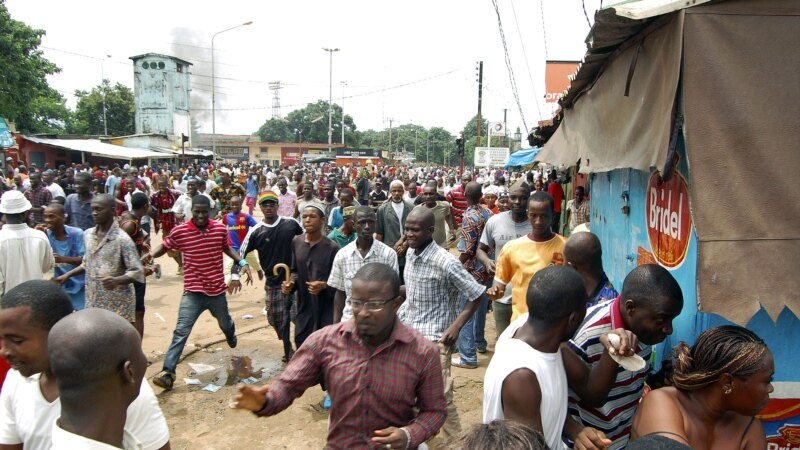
{"x": 622, "y": 235}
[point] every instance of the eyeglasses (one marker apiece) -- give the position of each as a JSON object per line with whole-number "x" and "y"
{"x": 373, "y": 305}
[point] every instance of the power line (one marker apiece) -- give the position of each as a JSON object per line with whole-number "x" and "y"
{"x": 583, "y": 3}
{"x": 362, "y": 94}
{"x": 544, "y": 30}
{"x": 508, "y": 66}
{"x": 525, "y": 55}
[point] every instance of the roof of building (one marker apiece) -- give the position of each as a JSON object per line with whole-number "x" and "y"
{"x": 99, "y": 148}
{"x": 161, "y": 55}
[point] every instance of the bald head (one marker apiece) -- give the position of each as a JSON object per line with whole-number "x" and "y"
{"x": 94, "y": 350}
{"x": 106, "y": 200}
{"x": 583, "y": 251}
{"x": 423, "y": 216}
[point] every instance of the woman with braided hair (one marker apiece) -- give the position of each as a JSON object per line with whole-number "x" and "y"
{"x": 720, "y": 384}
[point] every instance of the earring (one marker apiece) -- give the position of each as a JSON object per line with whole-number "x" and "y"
{"x": 727, "y": 390}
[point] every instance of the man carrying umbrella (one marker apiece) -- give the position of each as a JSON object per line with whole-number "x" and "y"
{"x": 272, "y": 238}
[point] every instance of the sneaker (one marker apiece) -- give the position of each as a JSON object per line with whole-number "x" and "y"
{"x": 232, "y": 341}
{"x": 326, "y": 402}
{"x": 164, "y": 380}
{"x": 480, "y": 350}
{"x": 457, "y": 363}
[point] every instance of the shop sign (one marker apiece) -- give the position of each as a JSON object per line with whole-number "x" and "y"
{"x": 669, "y": 221}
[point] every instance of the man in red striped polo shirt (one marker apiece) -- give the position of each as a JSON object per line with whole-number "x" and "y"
{"x": 202, "y": 242}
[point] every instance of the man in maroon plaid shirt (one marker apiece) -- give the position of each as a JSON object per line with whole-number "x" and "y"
{"x": 381, "y": 372}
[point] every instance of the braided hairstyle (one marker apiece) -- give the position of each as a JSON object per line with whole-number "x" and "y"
{"x": 503, "y": 434}
{"x": 724, "y": 349}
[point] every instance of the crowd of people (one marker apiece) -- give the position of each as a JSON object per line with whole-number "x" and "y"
{"x": 376, "y": 295}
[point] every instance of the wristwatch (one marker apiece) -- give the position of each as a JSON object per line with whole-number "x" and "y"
{"x": 242, "y": 262}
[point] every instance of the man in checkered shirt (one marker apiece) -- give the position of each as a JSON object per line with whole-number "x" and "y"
{"x": 364, "y": 250}
{"x": 435, "y": 281}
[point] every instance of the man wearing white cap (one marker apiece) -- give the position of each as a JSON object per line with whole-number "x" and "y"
{"x": 25, "y": 253}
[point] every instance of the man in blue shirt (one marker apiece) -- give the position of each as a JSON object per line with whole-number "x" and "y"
{"x": 238, "y": 224}
{"x": 68, "y": 250}
{"x": 251, "y": 191}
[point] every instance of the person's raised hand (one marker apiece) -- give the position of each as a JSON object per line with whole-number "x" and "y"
{"x": 495, "y": 292}
{"x": 251, "y": 398}
{"x": 620, "y": 342}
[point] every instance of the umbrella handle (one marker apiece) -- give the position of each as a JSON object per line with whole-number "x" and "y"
{"x": 283, "y": 266}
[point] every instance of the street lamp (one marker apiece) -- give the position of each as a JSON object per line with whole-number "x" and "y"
{"x": 214, "y": 89}
{"x": 102, "y": 86}
{"x": 330, "y": 97}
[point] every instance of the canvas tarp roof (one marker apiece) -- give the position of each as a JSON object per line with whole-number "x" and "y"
{"x": 99, "y": 148}
{"x": 607, "y": 129}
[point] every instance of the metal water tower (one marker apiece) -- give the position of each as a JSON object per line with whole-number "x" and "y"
{"x": 161, "y": 94}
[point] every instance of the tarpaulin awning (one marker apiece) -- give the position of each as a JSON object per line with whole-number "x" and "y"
{"x": 189, "y": 152}
{"x": 522, "y": 157}
{"x": 99, "y": 148}
{"x": 624, "y": 119}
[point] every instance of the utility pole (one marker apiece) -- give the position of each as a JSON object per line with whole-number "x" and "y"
{"x": 480, "y": 102}
{"x": 391, "y": 154}
{"x": 505, "y": 127}
{"x": 330, "y": 96}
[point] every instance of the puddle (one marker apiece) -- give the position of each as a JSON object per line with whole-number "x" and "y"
{"x": 232, "y": 367}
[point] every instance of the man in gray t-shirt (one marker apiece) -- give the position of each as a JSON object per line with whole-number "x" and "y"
{"x": 500, "y": 229}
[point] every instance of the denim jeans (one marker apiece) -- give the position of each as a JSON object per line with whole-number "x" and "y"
{"x": 471, "y": 336}
{"x": 192, "y": 305}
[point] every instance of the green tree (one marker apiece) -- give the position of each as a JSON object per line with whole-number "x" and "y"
{"x": 120, "y": 111}
{"x": 441, "y": 144}
{"x": 311, "y": 125}
{"x": 25, "y": 97}
{"x": 275, "y": 130}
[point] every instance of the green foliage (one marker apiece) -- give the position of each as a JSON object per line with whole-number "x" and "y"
{"x": 25, "y": 96}
{"x": 311, "y": 125}
{"x": 120, "y": 111}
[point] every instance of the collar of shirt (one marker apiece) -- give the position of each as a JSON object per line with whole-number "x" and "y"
{"x": 400, "y": 333}
{"x": 15, "y": 226}
{"x": 353, "y": 250}
{"x": 426, "y": 253}
{"x": 616, "y": 315}
{"x": 64, "y": 439}
{"x": 111, "y": 234}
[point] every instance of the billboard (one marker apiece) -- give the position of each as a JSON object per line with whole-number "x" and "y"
{"x": 491, "y": 156}
{"x": 556, "y": 78}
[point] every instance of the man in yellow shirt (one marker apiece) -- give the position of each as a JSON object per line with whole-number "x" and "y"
{"x": 521, "y": 258}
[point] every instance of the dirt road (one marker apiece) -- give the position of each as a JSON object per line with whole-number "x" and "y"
{"x": 203, "y": 420}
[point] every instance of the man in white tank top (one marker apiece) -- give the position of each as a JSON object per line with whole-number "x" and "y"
{"x": 526, "y": 381}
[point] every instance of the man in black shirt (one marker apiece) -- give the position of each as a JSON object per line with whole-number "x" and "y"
{"x": 272, "y": 238}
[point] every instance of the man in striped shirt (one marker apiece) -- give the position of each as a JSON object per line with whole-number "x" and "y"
{"x": 202, "y": 242}
{"x": 650, "y": 300}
